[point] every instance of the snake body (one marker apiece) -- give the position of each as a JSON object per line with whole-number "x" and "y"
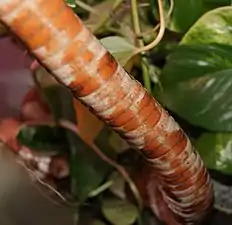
{"x": 60, "y": 41}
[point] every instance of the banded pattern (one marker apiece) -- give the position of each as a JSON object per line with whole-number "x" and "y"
{"x": 57, "y": 37}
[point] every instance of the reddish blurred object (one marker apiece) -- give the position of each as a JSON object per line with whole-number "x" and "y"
{"x": 8, "y": 131}
{"x": 33, "y": 107}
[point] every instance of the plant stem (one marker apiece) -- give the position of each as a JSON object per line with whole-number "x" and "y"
{"x": 140, "y": 44}
{"x": 161, "y": 31}
{"x": 136, "y": 22}
{"x": 86, "y": 7}
{"x": 146, "y": 76}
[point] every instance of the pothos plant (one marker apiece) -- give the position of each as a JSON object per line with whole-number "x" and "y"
{"x": 180, "y": 51}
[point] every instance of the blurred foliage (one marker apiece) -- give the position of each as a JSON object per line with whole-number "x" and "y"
{"x": 188, "y": 71}
{"x": 216, "y": 151}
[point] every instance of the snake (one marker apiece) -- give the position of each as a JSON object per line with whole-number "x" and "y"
{"x": 60, "y": 41}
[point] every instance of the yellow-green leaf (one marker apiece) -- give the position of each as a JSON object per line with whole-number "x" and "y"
{"x": 216, "y": 151}
{"x": 212, "y": 27}
{"x": 71, "y": 3}
{"x": 197, "y": 84}
{"x": 120, "y": 48}
{"x": 119, "y": 212}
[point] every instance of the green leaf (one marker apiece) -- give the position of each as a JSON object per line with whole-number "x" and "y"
{"x": 88, "y": 170}
{"x": 43, "y": 138}
{"x": 216, "y": 3}
{"x": 118, "y": 144}
{"x": 71, "y": 3}
{"x": 196, "y": 84}
{"x": 102, "y": 10}
{"x": 119, "y": 47}
{"x": 119, "y": 212}
{"x": 60, "y": 101}
{"x": 103, "y": 142}
{"x": 186, "y": 13}
{"x": 213, "y": 27}
{"x": 190, "y": 10}
{"x": 216, "y": 151}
